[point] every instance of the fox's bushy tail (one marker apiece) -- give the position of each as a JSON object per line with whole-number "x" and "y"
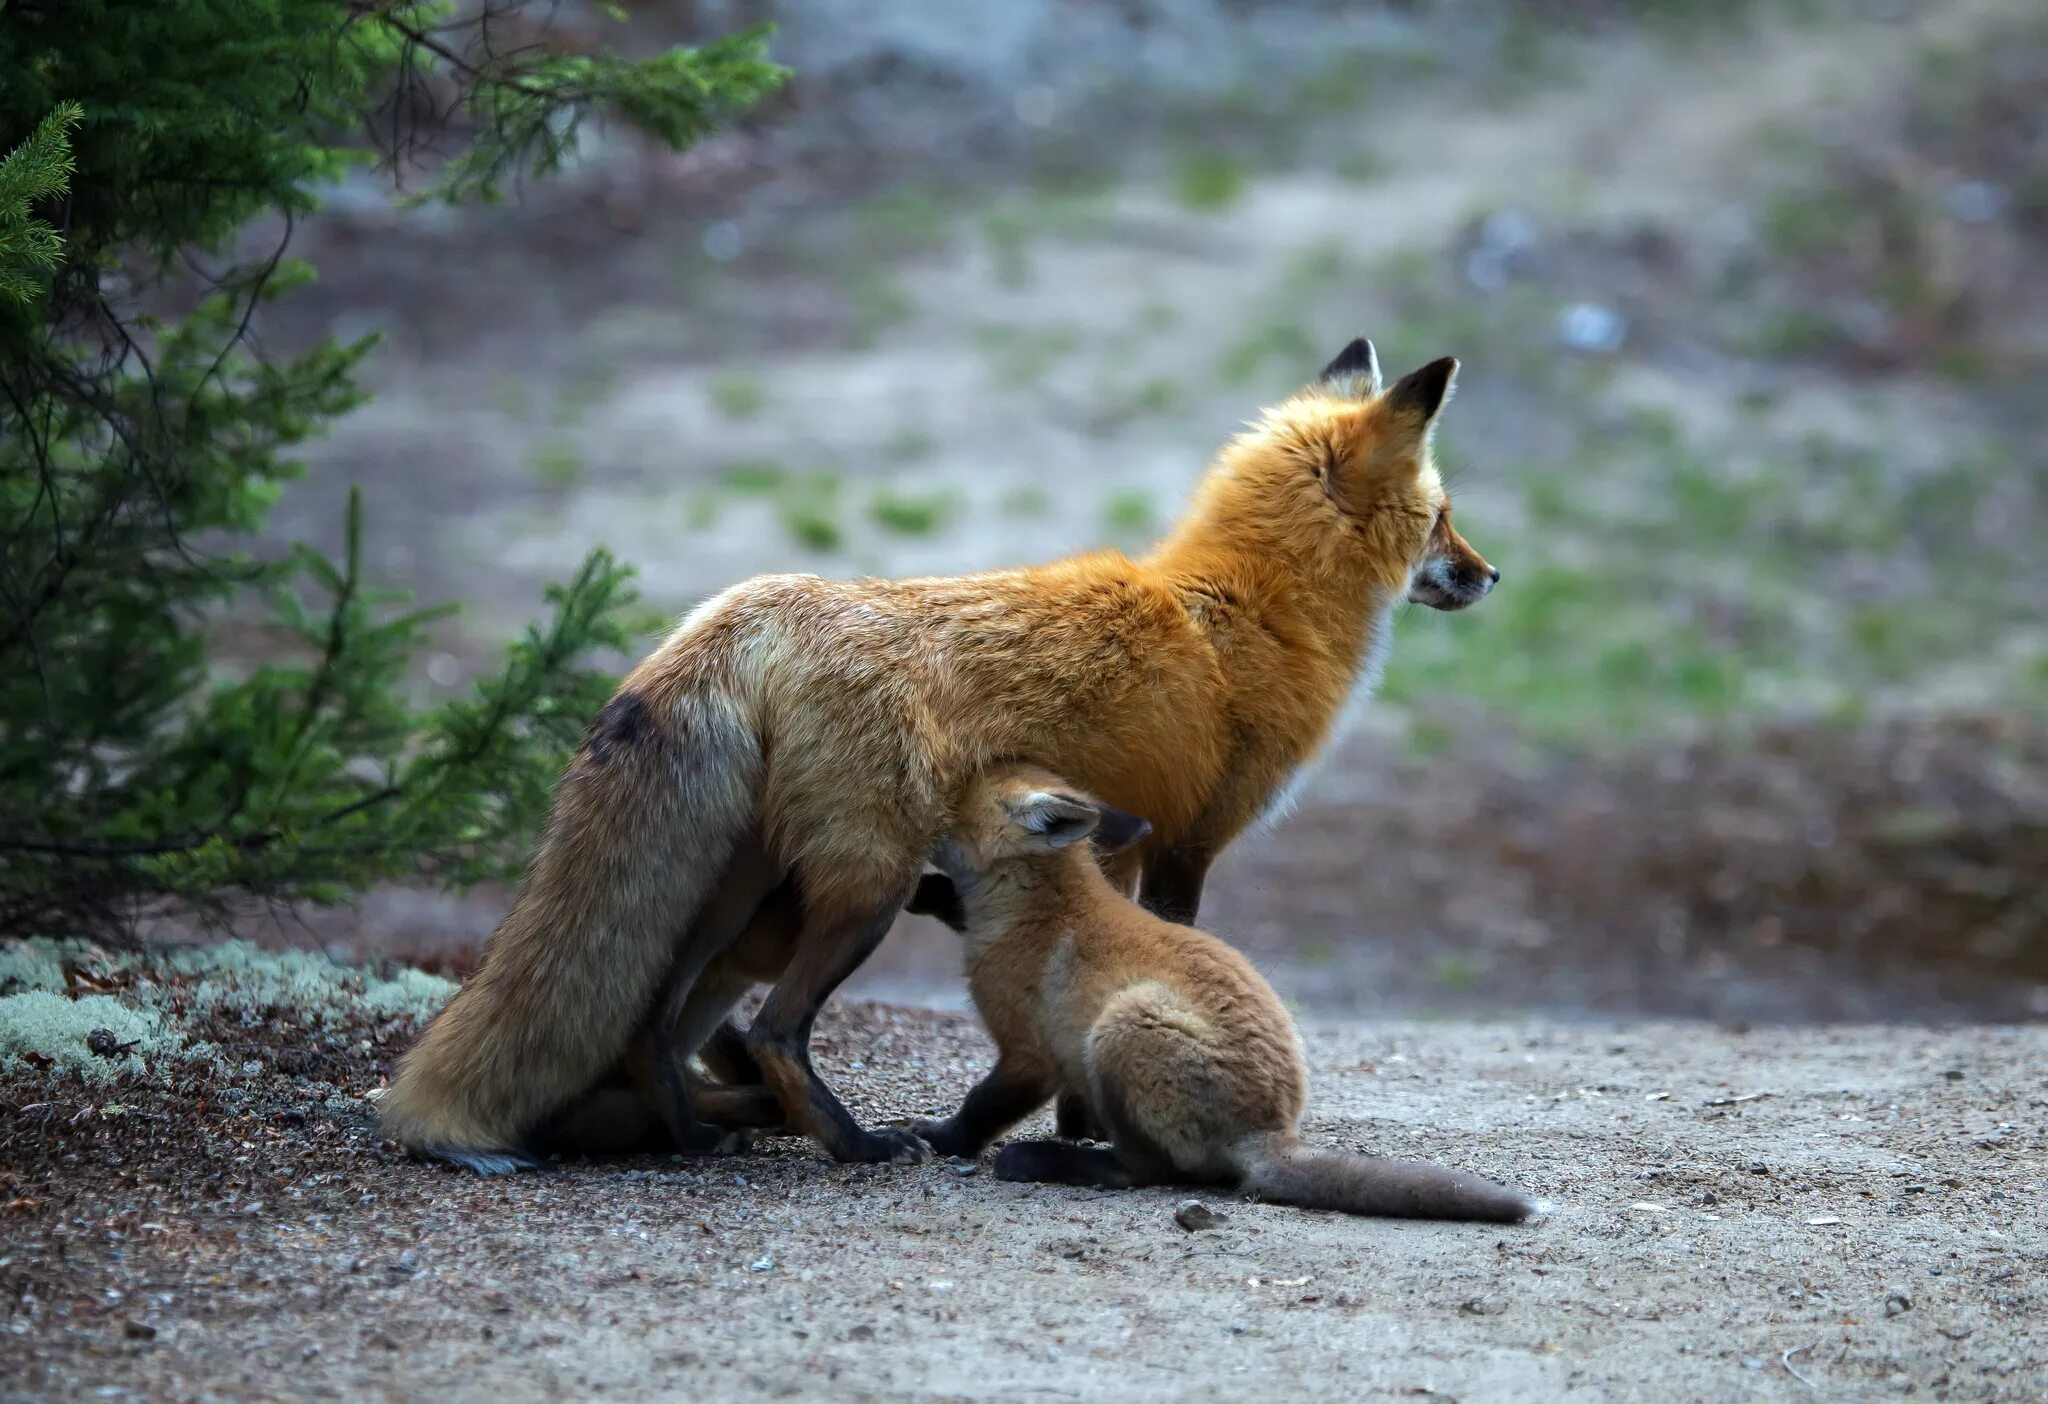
{"x": 1282, "y": 1170}
{"x": 645, "y": 820}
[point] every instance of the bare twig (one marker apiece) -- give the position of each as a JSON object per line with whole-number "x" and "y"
{"x": 1792, "y": 1370}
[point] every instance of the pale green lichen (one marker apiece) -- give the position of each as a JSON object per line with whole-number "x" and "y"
{"x": 30, "y": 965}
{"x": 168, "y": 990}
{"x": 413, "y": 992}
{"x": 238, "y": 977}
{"x": 50, "y": 1026}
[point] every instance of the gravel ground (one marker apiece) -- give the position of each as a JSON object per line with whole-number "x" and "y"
{"x": 1840, "y": 1212}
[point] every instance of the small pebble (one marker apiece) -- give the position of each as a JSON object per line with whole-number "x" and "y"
{"x": 1194, "y": 1216}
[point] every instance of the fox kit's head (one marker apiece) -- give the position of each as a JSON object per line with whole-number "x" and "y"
{"x": 1341, "y": 476}
{"x": 1018, "y": 816}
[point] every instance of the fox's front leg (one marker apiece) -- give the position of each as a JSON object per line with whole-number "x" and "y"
{"x": 780, "y": 1037}
{"x": 999, "y": 1101}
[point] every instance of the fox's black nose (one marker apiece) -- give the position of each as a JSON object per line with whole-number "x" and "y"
{"x": 1493, "y": 574}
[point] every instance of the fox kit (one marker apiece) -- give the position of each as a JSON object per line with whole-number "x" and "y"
{"x": 1183, "y": 1053}
{"x": 804, "y": 735}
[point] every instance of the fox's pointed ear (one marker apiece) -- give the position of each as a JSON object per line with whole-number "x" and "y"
{"x": 1418, "y": 395}
{"x": 1116, "y": 830}
{"x": 1055, "y": 820}
{"x": 1356, "y": 368}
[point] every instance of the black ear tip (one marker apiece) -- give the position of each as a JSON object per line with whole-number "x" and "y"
{"x": 1423, "y": 391}
{"x": 1355, "y": 359}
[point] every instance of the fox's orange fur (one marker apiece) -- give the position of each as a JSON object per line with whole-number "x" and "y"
{"x": 797, "y": 729}
{"x": 1184, "y": 1056}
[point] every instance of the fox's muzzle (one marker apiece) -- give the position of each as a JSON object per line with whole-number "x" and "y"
{"x": 1440, "y": 584}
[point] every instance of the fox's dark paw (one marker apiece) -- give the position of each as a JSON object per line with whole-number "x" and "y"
{"x": 717, "y": 1141}
{"x": 945, "y": 1139}
{"x": 734, "y": 1141}
{"x": 892, "y": 1146}
{"x": 701, "y": 1138}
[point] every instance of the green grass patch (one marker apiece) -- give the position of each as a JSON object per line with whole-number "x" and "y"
{"x": 1361, "y": 166}
{"x": 1026, "y": 502}
{"x": 1658, "y": 584}
{"x": 910, "y": 444}
{"x": 912, "y": 513}
{"x": 810, "y": 509}
{"x": 1286, "y": 343}
{"x": 557, "y": 464}
{"x": 1129, "y": 513}
{"x": 875, "y": 302}
{"x": 583, "y": 390}
{"x": 1024, "y": 356}
{"x": 1207, "y": 181}
{"x": 754, "y": 477}
{"x": 738, "y": 396}
{"x": 904, "y": 221}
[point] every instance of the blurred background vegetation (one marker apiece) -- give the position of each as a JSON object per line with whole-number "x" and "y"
{"x": 1752, "y": 301}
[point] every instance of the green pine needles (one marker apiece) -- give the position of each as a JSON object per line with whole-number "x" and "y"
{"x": 33, "y": 174}
{"x": 140, "y": 452}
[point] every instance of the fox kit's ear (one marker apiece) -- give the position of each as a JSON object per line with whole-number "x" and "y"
{"x": 1418, "y": 395}
{"x": 1054, "y": 821}
{"x": 1356, "y": 369}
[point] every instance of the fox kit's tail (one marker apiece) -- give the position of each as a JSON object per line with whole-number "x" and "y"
{"x": 1281, "y": 1169}
{"x": 645, "y": 821}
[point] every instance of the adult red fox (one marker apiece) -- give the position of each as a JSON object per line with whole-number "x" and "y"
{"x": 1183, "y": 1053}
{"x": 804, "y": 735}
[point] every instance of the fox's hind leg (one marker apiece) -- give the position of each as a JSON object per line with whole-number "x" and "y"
{"x": 759, "y": 956}
{"x": 725, "y": 1056}
{"x": 683, "y": 1019}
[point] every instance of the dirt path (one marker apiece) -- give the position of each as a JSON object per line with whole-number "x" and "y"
{"x": 1838, "y": 1213}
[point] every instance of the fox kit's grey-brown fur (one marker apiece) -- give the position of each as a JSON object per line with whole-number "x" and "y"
{"x": 1183, "y": 1053}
